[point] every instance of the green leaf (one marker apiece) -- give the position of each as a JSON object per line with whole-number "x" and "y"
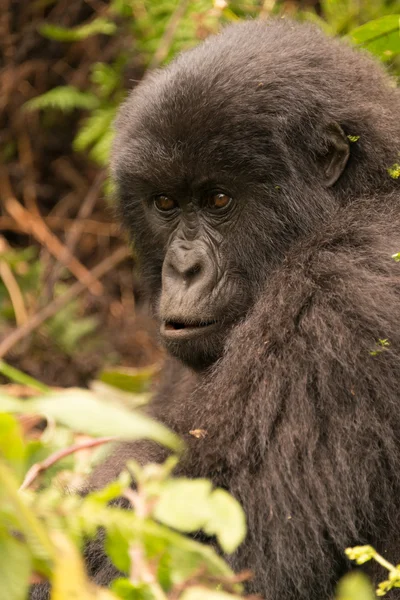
{"x": 65, "y": 98}
{"x": 63, "y": 34}
{"x": 15, "y": 566}
{"x": 191, "y": 504}
{"x": 158, "y": 540}
{"x": 20, "y": 377}
{"x": 35, "y": 534}
{"x": 12, "y": 447}
{"x": 227, "y": 520}
{"x": 355, "y": 586}
{"x": 69, "y": 579}
{"x": 81, "y": 410}
{"x": 381, "y": 36}
{"x": 126, "y": 590}
{"x": 202, "y": 593}
{"x": 135, "y": 381}
{"x": 117, "y": 547}
{"x": 9, "y": 404}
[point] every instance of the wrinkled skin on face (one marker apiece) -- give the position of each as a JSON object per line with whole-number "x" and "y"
{"x": 213, "y": 188}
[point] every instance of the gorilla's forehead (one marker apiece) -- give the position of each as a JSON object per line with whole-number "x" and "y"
{"x": 168, "y": 126}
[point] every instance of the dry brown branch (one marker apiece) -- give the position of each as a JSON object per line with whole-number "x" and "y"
{"x": 60, "y": 454}
{"x": 35, "y": 226}
{"x": 90, "y": 226}
{"x": 17, "y": 300}
{"x": 48, "y": 311}
{"x": 75, "y": 232}
{"x": 7, "y": 276}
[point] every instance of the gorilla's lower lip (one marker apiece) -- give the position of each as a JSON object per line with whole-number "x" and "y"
{"x": 181, "y": 330}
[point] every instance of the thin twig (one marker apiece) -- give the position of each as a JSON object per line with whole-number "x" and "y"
{"x": 12, "y": 287}
{"x": 35, "y": 226}
{"x": 48, "y": 311}
{"x": 75, "y": 232}
{"x": 64, "y": 223}
{"x": 60, "y": 454}
{"x": 168, "y": 35}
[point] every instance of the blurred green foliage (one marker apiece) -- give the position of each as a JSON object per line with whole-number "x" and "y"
{"x": 157, "y": 30}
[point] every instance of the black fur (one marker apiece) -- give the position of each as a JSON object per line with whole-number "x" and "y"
{"x": 302, "y": 421}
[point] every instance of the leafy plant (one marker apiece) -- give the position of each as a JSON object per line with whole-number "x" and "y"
{"x": 42, "y": 533}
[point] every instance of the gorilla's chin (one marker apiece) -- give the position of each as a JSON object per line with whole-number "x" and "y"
{"x": 197, "y": 346}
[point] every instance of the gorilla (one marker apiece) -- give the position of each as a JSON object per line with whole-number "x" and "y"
{"x": 256, "y": 175}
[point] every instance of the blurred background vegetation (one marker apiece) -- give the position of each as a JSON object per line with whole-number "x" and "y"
{"x": 69, "y": 303}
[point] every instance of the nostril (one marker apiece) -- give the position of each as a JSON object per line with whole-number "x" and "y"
{"x": 191, "y": 272}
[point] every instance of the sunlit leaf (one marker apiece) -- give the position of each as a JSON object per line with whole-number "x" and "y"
{"x": 15, "y": 564}
{"x": 69, "y": 578}
{"x": 20, "y": 377}
{"x": 355, "y": 586}
{"x": 12, "y": 448}
{"x": 381, "y": 36}
{"x": 75, "y": 34}
{"x": 81, "y": 410}
{"x": 191, "y": 504}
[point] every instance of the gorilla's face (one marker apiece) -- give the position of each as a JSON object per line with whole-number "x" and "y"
{"x": 213, "y": 195}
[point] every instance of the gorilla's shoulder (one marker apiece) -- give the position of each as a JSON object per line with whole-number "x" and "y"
{"x": 336, "y": 293}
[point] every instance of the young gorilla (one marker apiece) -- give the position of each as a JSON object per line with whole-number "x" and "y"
{"x": 252, "y": 174}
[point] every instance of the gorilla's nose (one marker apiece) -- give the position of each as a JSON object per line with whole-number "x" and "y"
{"x": 187, "y": 281}
{"x": 186, "y": 265}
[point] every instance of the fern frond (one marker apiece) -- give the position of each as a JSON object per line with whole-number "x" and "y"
{"x": 65, "y": 98}
{"x": 106, "y": 78}
{"x": 94, "y": 128}
{"x": 75, "y": 34}
{"x": 100, "y": 152}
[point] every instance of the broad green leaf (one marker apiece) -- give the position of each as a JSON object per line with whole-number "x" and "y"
{"x": 12, "y": 448}
{"x": 202, "y": 593}
{"x": 184, "y": 504}
{"x": 11, "y": 404}
{"x": 15, "y": 565}
{"x": 65, "y": 98}
{"x": 191, "y": 504}
{"x": 21, "y": 377}
{"x": 81, "y": 410}
{"x": 381, "y": 36}
{"x": 117, "y": 547}
{"x": 75, "y": 34}
{"x": 129, "y": 591}
{"x": 156, "y": 538}
{"x": 136, "y": 381}
{"x": 355, "y": 586}
{"x": 227, "y": 520}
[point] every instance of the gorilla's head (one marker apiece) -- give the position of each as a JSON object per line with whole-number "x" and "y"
{"x": 233, "y": 153}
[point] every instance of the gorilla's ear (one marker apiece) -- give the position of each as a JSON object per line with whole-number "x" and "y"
{"x": 335, "y": 159}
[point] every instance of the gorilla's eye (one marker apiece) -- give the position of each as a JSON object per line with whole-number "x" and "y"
{"x": 163, "y": 203}
{"x": 217, "y": 200}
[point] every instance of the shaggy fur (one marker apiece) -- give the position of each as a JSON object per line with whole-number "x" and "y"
{"x": 302, "y": 421}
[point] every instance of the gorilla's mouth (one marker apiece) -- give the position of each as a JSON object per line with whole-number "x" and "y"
{"x": 174, "y": 329}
